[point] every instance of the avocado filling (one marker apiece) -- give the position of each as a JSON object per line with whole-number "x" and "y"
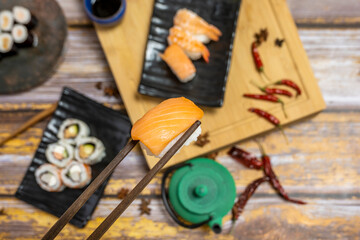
{"x": 86, "y": 150}
{"x": 60, "y": 152}
{"x": 71, "y": 131}
{"x": 48, "y": 178}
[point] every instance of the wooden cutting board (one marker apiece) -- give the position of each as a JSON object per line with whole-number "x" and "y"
{"x": 124, "y": 46}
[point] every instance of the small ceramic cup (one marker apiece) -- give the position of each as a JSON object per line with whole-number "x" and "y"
{"x": 109, "y": 21}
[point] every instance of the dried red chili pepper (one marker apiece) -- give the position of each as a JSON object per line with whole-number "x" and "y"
{"x": 266, "y": 115}
{"x": 291, "y": 84}
{"x": 277, "y": 91}
{"x": 271, "y": 118}
{"x": 255, "y": 53}
{"x": 257, "y": 59}
{"x": 273, "y": 90}
{"x": 270, "y": 98}
{"x": 245, "y": 196}
{"x": 245, "y": 158}
{"x": 274, "y": 181}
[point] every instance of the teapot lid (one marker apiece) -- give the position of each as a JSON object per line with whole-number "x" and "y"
{"x": 202, "y": 190}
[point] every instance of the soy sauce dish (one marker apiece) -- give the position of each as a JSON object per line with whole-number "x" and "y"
{"x": 105, "y": 12}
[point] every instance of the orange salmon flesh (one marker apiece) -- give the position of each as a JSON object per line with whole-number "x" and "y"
{"x": 159, "y": 126}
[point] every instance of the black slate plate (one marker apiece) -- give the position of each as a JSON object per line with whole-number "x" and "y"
{"x": 111, "y": 127}
{"x": 208, "y": 87}
{"x": 33, "y": 66}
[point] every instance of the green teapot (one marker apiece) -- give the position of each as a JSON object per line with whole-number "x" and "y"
{"x": 201, "y": 191}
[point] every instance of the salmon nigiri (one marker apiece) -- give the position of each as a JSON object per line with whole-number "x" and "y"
{"x": 198, "y": 27}
{"x": 179, "y": 63}
{"x": 191, "y": 46}
{"x": 160, "y": 128}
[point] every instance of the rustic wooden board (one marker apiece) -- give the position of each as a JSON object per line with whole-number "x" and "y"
{"x": 124, "y": 49}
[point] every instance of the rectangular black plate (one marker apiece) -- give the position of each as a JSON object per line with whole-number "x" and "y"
{"x": 111, "y": 127}
{"x": 208, "y": 86}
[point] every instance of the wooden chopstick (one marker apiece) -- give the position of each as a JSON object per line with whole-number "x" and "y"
{"x": 115, "y": 214}
{"x": 80, "y": 201}
{"x": 38, "y": 117}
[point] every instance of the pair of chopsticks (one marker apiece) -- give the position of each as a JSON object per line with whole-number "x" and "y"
{"x": 38, "y": 117}
{"x": 115, "y": 214}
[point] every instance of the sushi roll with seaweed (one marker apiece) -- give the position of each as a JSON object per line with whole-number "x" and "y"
{"x": 6, "y": 20}
{"x": 23, "y": 16}
{"x": 161, "y": 127}
{"x": 71, "y": 130}
{"x": 48, "y": 178}
{"x": 7, "y": 46}
{"x": 89, "y": 150}
{"x": 76, "y": 175}
{"x": 22, "y": 37}
{"x": 59, "y": 153}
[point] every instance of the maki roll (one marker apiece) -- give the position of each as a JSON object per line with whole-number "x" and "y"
{"x": 7, "y": 47}
{"x": 76, "y": 175}
{"x": 59, "y": 153}
{"x": 22, "y": 37}
{"x": 89, "y": 150}
{"x": 48, "y": 178}
{"x": 6, "y": 20}
{"x": 72, "y": 130}
{"x": 23, "y": 16}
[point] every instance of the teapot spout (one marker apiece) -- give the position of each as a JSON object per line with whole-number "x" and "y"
{"x": 216, "y": 225}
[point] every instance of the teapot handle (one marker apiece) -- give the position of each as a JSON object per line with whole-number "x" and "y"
{"x": 168, "y": 207}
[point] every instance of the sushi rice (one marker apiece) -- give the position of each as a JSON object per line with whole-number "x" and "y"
{"x": 82, "y": 130}
{"x": 63, "y": 150}
{"x": 89, "y": 150}
{"x": 48, "y": 178}
{"x": 193, "y": 137}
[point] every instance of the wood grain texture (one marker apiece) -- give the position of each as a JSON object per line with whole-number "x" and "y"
{"x": 84, "y": 65}
{"x": 334, "y": 146}
{"x": 264, "y": 218}
{"x": 321, "y": 13}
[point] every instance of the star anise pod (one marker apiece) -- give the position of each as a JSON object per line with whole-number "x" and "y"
{"x": 261, "y": 36}
{"x": 122, "y": 193}
{"x": 144, "y": 206}
{"x": 212, "y": 155}
{"x": 264, "y": 33}
{"x": 202, "y": 140}
{"x": 2, "y": 211}
{"x": 98, "y": 85}
{"x": 279, "y": 42}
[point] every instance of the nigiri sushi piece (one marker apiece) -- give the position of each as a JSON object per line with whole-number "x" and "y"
{"x": 160, "y": 128}
{"x": 179, "y": 63}
{"x": 198, "y": 27}
{"x": 191, "y": 46}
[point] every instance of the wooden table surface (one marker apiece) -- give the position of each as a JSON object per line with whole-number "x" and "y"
{"x": 321, "y": 165}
